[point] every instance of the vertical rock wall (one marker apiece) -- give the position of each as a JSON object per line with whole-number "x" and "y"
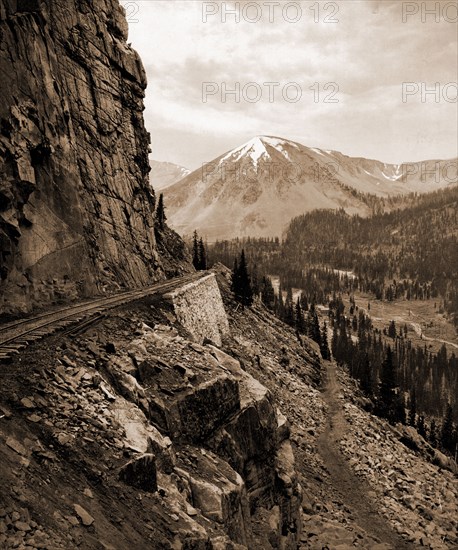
{"x": 76, "y": 209}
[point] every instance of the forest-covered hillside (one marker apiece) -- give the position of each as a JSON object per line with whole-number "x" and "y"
{"x": 408, "y": 256}
{"x": 407, "y": 253}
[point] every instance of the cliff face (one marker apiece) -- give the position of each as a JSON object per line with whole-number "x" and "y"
{"x": 76, "y": 208}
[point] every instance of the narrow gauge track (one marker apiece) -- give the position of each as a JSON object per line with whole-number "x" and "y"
{"x": 17, "y": 335}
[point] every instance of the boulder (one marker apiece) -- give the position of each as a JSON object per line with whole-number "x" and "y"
{"x": 218, "y": 492}
{"x": 85, "y": 517}
{"x": 249, "y": 441}
{"x": 162, "y": 449}
{"x": 192, "y": 414}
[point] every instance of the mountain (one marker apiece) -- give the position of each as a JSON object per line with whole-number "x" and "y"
{"x": 164, "y": 174}
{"x": 257, "y": 188}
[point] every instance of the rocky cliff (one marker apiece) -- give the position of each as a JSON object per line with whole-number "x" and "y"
{"x": 76, "y": 207}
{"x": 148, "y": 439}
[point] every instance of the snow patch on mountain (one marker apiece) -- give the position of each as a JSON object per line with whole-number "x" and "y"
{"x": 254, "y": 149}
{"x": 388, "y": 177}
{"x": 318, "y": 151}
{"x": 280, "y": 145}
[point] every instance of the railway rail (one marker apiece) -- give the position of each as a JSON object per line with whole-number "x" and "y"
{"x": 17, "y": 335}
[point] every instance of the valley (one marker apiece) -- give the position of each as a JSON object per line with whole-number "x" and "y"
{"x": 385, "y": 285}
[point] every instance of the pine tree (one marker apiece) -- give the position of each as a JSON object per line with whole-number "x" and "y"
{"x": 446, "y": 436}
{"x": 354, "y": 324}
{"x": 421, "y": 426}
{"x": 335, "y": 341}
{"x": 367, "y": 376}
{"x": 313, "y": 325}
{"x": 324, "y": 347}
{"x": 280, "y": 308}
{"x": 433, "y": 433}
{"x": 300, "y": 321}
{"x": 392, "y": 330}
{"x": 399, "y": 409}
{"x": 235, "y": 276}
{"x": 387, "y": 396}
{"x": 413, "y": 409}
{"x": 160, "y": 212}
{"x": 289, "y": 294}
{"x": 289, "y": 313}
{"x": 195, "y": 250}
{"x": 255, "y": 281}
{"x": 241, "y": 283}
{"x": 202, "y": 256}
{"x": 304, "y": 302}
{"x": 267, "y": 292}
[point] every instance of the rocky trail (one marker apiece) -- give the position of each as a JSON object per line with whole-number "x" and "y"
{"x": 365, "y": 484}
{"x": 353, "y": 491}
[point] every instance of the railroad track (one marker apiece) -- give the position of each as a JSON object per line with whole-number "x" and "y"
{"x": 17, "y": 335}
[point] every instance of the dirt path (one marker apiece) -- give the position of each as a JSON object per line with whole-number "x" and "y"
{"x": 353, "y": 490}
{"x": 419, "y": 331}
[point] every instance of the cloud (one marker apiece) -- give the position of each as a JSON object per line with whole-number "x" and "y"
{"x": 368, "y": 54}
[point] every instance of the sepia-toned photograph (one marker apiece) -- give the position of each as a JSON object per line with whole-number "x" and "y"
{"x": 228, "y": 275}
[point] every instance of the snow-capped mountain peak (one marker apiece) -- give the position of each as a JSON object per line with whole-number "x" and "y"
{"x": 254, "y": 149}
{"x": 255, "y": 189}
{"x": 257, "y": 150}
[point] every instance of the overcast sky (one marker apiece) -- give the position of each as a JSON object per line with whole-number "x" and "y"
{"x": 357, "y": 53}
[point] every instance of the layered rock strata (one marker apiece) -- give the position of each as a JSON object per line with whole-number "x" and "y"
{"x": 76, "y": 207}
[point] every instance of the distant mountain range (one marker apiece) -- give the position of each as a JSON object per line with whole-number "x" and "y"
{"x": 257, "y": 188}
{"x": 164, "y": 174}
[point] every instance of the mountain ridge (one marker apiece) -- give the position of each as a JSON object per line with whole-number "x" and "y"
{"x": 255, "y": 189}
{"x": 163, "y": 174}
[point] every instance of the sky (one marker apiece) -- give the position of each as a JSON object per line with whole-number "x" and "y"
{"x": 374, "y": 79}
